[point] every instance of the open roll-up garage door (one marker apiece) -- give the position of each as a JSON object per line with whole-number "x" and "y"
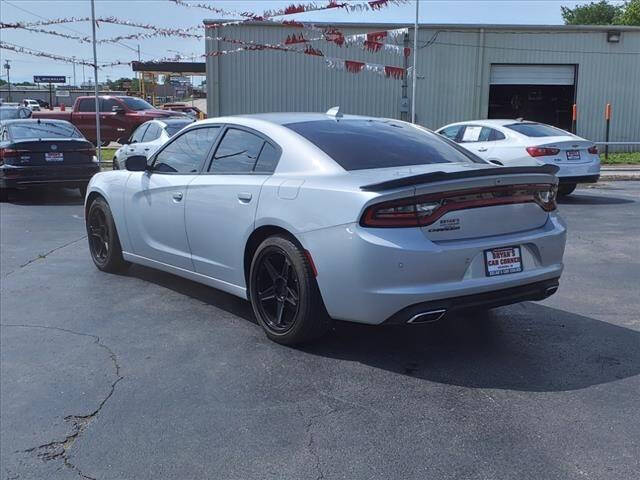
{"x": 542, "y": 93}
{"x": 533, "y": 74}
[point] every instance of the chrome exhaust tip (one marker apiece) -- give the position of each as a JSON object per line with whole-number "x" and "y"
{"x": 551, "y": 290}
{"x": 427, "y": 317}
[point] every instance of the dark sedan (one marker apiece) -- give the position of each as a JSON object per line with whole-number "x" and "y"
{"x": 37, "y": 152}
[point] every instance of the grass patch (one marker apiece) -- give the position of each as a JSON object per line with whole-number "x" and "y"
{"x": 107, "y": 153}
{"x": 621, "y": 158}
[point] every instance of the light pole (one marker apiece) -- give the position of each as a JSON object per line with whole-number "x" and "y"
{"x": 74, "y": 71}
{"x": 8, "y": 67}
{"x": 415, "y": 64}
{"x": 95, "y": 76}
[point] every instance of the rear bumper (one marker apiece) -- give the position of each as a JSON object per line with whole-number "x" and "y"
{"x": 369, "y": 275}
{"x": 45, "y": 175}
{"x": 434, "y": 310}
{"x": 580, "y": 179}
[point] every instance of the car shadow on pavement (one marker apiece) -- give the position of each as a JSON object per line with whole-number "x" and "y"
{"x": 525, "y": 347}
{"x": 577, "y": 199}
{"x": 46, "y": 196}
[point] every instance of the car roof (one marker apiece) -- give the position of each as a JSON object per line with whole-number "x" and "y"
{"x": 284, "y": 118}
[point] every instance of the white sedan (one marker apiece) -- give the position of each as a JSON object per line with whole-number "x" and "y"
{"x": 517, "y": 142}
{"x": 148, "y": 137}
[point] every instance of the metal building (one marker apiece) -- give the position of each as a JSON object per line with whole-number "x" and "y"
{"x": 465, "y": 72}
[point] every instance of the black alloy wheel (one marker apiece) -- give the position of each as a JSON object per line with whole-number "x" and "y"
{"x": 284, "y": 294}
{"x": 104, "y": 243}
{"x": 278, "y": 290}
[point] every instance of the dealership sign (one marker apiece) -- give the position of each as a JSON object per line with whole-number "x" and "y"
{"x": 49, "y": 79}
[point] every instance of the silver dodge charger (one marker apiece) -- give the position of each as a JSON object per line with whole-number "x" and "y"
{"x": 314, "y": 217}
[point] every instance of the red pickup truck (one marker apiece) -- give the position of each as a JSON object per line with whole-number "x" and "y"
{"x": 119, "y": 116}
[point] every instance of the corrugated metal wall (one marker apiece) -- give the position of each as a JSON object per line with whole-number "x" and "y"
{"x": 454, "y": 65}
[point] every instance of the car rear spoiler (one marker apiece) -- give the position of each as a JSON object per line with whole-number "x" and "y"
{"x": 442, "y": 176}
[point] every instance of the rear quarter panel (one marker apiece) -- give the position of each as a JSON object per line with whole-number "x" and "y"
{"x": 111, "y": 186}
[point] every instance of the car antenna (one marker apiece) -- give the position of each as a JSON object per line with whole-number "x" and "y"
{"x": 335, "y": 112}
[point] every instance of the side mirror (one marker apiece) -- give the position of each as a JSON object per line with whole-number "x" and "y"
{"x": 136, "y": 163}
{"x": 118, "y": 109}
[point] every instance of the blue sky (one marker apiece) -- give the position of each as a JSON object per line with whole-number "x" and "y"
{"x": 167, "y": 14}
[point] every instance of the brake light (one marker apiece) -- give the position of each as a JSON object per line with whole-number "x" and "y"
{"x": 593, "y": 150}
{"x": 542, "y": 151}
{"x": 424, "y": 210}
{"x": 10, "y": 153}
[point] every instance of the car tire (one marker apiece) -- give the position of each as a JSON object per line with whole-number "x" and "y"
{"x": 104, "y": 244}
{"x": 566, "y": 189}
{"x": 284, "y": 293}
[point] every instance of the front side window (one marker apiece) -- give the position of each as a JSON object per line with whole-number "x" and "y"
{"x": 187, "y": 152}
{"x": 358, "y": 144}
{"x": 237, "y": 153}
{"x": 107, "y": 105}
{"x": 139, "y": 133}
{"x": 451, "y": 132}
{"x": 152, "y": 133}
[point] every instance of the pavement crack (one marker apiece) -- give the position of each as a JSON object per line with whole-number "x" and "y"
{"x": 42, "y": 256}
{"x": 311, "y": 443}
{"x": 57, "y": 449}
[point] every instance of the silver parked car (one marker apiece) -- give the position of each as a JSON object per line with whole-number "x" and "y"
{"x": 322, "y": 216}
{"x": 148, "y": 137}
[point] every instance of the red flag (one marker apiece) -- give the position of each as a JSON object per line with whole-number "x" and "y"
{"x": 377, "y": 4}
{"x": 353, "y": 67}
{"x": 313, "y": 51}
{"x": 372, "y": 46}
{"x": 395, "y": 72}
{"x": 376, "y": 36}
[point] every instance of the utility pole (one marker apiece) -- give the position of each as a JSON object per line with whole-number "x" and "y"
{"x": 8, "y": 67}
{"x": 415, "y": 64}
{"x": 74, "y": 71}
{"x": 95, "y": 75}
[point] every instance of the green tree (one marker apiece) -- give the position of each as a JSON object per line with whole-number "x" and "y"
{"x": 630, "y": 14}
{"x": 594, "y": 13}
{"x": 2, "y": 82}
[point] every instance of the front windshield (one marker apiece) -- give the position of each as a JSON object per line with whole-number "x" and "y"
{"x": 136, "y": 103}
{"x": 25, "y": 131}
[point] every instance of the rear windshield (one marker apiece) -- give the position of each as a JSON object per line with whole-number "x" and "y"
{"x": 536, "y": 130}
{"x": 25, "y": 131}
{"x": 136, "y": 103}
{"x": 11, "y": 113}
{"x": 360, "y": 144}
{"x": 173, "y": 128}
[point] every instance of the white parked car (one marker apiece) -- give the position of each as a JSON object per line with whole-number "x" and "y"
{"x": 32, "y": 104}
{"x": 517, "y": 142}
{"x": 315, "y": 216}
{"x": 148, "y": 137}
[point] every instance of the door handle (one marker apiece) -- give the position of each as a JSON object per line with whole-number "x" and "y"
{"x": 244, "y": 197}
{"x": 483, "y": 149}
{"x": 177, "y": 196}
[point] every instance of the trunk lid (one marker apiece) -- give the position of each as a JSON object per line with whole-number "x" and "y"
{"x": 53, "y": 152}
{"x": 571, "y": 150}
{"x": 472, "y": 200}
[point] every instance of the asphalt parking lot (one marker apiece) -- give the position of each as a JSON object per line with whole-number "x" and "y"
{"x": 149, "y": 376}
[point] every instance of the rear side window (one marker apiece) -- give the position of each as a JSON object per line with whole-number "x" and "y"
{"x": 268, "y": 159}
{"x": 187, "y": 152}
{"x": 24, "y": 131}
{"x": 237, "y": 153}
{"x": 536, "y": 130}
{"x": 357, "y": 144}
{"x": 107, "y": 104}
{"x": 87, "y": 105}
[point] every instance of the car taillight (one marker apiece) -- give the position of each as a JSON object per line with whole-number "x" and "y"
{"x": 424, "y": 210}
{"x": 542, "y": 151}
{"x": 9, "y": 153}
{"x": 593, "y": 150}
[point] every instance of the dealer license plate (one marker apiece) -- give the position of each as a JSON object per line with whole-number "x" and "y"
{"x": 573, "y": 154}
{"x": 501, "y": 261}
{"x": 53, "y": 156}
